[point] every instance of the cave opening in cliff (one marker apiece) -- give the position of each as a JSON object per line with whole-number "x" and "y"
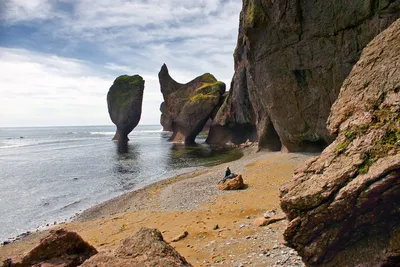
{"x": 243, "y": 132}
{"x": 270, "y": 140}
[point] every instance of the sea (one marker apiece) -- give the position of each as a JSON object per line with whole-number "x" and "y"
{"x": 49, "y": 174}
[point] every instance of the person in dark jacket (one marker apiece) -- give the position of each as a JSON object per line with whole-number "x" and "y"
{"x": 227, "y": 172}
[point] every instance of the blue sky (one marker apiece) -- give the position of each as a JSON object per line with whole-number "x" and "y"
{"x": 58, "y": 58}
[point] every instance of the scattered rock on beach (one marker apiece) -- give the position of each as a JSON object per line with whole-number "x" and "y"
{"x": 343, "y": 206}
{"x": 146, "y": 248}
{"x": 59, "y": 249}
{"x": 262, "y": 221}
{"x": 232, "y": 184}
{"x": 180, "y": 237}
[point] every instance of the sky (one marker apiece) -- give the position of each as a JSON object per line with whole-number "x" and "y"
{"x": 58, "y": 58}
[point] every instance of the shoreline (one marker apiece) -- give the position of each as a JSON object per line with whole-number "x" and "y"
{"x": 191, "y": 202}
{"x": 183, "y": 173}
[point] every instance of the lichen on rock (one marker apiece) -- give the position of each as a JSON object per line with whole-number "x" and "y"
{"x": 344, "y": 206}
{"x": 188, "y": 107}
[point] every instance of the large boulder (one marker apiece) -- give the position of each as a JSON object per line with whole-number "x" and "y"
{"x": 187, "y": 107}
{"x": 290, "y": 62}
{"x": 124, "y": 100}
{"x": 146, "y": 248}
{"x": 235, "y": 183}
{"x": 344, "y": 206}
{"x": 59, "y": 249}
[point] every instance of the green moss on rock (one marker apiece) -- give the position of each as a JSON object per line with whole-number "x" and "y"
{"x": 136, "y": 80}
{"x": 124, "y": 90}
{"x": 206, "y": 91}
{"x": 208, "y": 78}
{"x": 254, "y": 15}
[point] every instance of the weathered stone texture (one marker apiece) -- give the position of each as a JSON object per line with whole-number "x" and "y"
{"x": 146, "y": 248}
{"x": 290, "y": 62}
{"x": 344, "y": 206}
{"x": 187, "y": 107}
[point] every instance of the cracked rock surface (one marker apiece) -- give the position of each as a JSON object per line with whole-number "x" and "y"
{"x": 344, "y": 206}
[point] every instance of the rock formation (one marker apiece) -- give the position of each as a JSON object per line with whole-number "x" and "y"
{"x": 124, "y": 100}
{"x": 344, "y": 206}
{"x": 60, "y": 249}
{"x": 145, "y": 248}
{"x": 188, "y": 107}
{"x": 290, "y": 61}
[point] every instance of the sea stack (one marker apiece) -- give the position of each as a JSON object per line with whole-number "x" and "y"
{"x": 344, "y": 206}
{"x": 290, "y": 62}
{"x": 124, "y": 100}
{"x": 188, "y": 107}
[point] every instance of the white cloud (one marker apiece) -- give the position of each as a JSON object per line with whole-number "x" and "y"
{"x": 27, "y": 10}
{"x": 42, "y": 89}
{"x": 133, "y": 37}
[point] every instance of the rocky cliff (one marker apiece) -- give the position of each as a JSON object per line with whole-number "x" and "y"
{"x": 344, "y": 206}
{"x": 124, "y": 100}
{"x": 290, "y": 61}
{"x": 187, "y": 107}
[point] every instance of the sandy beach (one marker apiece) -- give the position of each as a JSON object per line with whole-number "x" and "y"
{"x": 220, "y": 224}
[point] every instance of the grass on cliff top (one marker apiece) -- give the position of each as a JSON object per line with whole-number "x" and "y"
{"x": 136, "y": 79}
{"x": 206, "y": 91}
{"x": 121, "y": 94}
{"x": 254, "y": 15}
{"x": 208, "y": 78}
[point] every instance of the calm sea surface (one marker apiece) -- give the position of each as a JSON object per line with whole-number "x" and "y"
{"x": 48, "y": 174}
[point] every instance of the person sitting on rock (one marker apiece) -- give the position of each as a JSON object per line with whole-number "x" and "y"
{"x": 227, "y": 172}
{"x": 228, "y": 175}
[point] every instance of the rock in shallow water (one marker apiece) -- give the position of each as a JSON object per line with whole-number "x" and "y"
{"x": 344, "y": 206}
{"x": 187, "y": 107}
{"x": 124, "y": 100}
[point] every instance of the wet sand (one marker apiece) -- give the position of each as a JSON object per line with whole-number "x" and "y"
{"x": 220, "y": 224}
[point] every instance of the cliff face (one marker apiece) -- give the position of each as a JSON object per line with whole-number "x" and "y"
{"x": 344, "y": 206}
{"x": 187, "y": 107}
{"x": 290, "y": 62}
{"x": 124, "y": 100}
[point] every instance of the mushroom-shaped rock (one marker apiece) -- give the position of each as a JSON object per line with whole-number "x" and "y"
{"x": 124, "y": 100}
{"x": 188, "y": 107}
{"x": 344, "y": 206}
{"x": 146, "y": 248}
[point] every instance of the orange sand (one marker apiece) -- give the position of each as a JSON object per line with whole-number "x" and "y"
{"x": 233, "y": 212}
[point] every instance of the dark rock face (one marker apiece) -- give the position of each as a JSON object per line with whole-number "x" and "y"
{"x": 344, "y": 206}
{"x": 124, "y": 100}
{"x": 290, "y": 62}
{"x": 61, "y": 248}
{"x": 187, "y": 107}
{"x": 146, "y": 248}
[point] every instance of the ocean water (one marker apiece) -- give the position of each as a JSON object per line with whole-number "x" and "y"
{"x": 48, "y": 174}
